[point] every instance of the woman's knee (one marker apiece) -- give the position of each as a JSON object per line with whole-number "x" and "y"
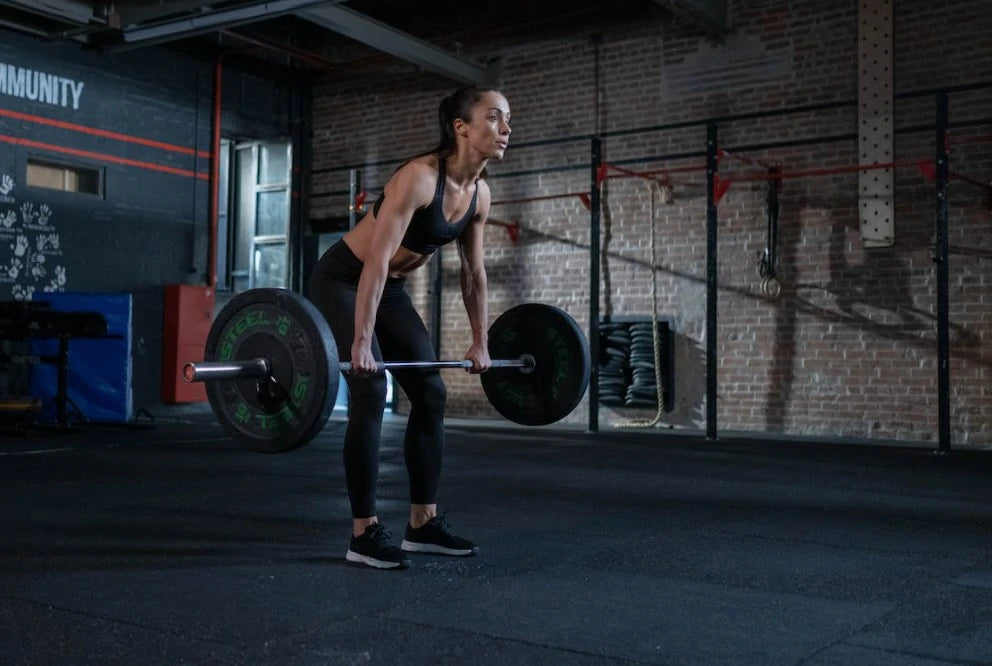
{"x": 368, "y": 394}
{"x": 433, "y": 394}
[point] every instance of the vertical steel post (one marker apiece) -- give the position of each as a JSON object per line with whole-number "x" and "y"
{"x": 712, "y": 166}
{"x": 594, "y": 259}
{"x": 300, "y": 182}
{"x": 943, "y": 296}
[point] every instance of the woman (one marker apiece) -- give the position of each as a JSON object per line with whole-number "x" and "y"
{"x": 358, "y": 284}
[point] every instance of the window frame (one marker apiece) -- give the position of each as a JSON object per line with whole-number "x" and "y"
{"x": 66, "y": 166}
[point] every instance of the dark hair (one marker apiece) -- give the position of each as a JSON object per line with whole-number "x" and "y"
{"x": 456, "y": 105}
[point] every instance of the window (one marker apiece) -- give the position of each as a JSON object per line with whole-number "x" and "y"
{"x": 65, "y": 177}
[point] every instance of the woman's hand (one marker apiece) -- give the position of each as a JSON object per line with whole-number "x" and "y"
{"x": 479, "y": 355}
{"x": 363, "y": 363}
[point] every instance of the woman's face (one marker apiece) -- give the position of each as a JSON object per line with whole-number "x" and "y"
{"x": 488, "y": 132}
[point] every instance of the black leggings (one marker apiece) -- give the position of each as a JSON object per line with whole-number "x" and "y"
{"x": 400, "y": 335}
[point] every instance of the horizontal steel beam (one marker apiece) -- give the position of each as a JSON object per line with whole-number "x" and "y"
{"x": 65, "y": 10}
{"x": 389, "y": 40}
{"x": 132, "y": 13}
{"x": 225, "y": 18}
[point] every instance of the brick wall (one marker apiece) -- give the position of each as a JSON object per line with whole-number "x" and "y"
{"x": 848, "y": 347}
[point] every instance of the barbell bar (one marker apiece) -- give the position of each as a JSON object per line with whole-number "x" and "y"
{"x": 258, "y": 368}
{"x": 271, "y": 370}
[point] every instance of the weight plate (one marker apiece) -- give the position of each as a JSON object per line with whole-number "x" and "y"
{"x": 287, "y": 330}
{"x": 562, "y": 364}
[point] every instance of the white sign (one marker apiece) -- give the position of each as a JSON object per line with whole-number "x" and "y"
{"x": 39, "y": 86}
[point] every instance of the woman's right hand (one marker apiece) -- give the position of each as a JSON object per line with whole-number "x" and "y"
{"x": 363, "y": 363}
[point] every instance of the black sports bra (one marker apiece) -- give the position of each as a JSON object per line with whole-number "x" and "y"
{"x": 428, "y": 229}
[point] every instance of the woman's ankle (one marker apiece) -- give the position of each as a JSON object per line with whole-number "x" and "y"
{"x": 358, "y": 525}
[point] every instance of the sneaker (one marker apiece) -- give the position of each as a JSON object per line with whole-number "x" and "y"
{"x": 375, "y": 548}
{"x": 436, "y": 536}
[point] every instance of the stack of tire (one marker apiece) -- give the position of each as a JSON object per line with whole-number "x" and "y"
{"x": 643, "y": 388}
{"x": 614, "y": 368}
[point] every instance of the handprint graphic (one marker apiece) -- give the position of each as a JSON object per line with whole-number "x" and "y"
{"x": 58, "y": 282}
{"x": 60, "y": 278}
{"x": 20, "y": 246}
{"x": 14, "y": 268}
{"x": 7, "y": 219}
{"x": 38, "y": 271}
{"x": 6, "y": 184}
{"x": 28, "y": 213}
{"x": 22, "y": 293}
{"x": 48, "y": 242}
{"x": 44, "y": 213}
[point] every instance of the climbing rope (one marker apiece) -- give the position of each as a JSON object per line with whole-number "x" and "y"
{"x": 656, "y": 189}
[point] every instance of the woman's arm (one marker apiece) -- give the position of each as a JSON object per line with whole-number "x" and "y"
{"x": 410, "y": 188}
{"x": 474, "y": 284}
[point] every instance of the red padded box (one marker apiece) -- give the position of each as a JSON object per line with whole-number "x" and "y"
{"x": 189, "y": 311}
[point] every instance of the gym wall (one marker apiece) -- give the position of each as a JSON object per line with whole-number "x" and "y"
{"x": 142, "y": 119}
{"x": 848, "y": 347}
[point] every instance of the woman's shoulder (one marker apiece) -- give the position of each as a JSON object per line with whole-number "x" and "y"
{"x": 420, "y": 166}
{"x": 417, "y": 177}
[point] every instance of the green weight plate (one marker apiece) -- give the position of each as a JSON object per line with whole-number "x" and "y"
{"x": 562, "y": 364}
{"x": 287, "y": 330}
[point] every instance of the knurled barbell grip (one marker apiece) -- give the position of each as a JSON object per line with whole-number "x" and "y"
{"x": 258, "y": 368}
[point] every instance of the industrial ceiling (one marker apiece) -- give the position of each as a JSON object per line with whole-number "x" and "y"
{"x": 349, "y": 38}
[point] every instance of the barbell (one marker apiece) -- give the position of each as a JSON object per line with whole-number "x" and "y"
{"x": 272, "y": 371}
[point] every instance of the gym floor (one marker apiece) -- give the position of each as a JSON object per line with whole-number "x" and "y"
{"x": 167, "y": 544}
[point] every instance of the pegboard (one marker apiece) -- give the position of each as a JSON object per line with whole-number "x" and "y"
{"x": 876, "y": 187}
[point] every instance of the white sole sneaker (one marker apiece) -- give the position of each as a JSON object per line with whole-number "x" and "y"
{"x": 358, "y": 558}
{"x": 415, "y": 547}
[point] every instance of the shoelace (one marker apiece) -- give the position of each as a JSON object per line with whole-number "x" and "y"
{"x": 380, "y": 535}
{"x": 443, "y": 526}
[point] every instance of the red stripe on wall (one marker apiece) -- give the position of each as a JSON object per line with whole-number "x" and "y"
{"x": 202, "y": 175}
{"x": 103, "y": 133}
